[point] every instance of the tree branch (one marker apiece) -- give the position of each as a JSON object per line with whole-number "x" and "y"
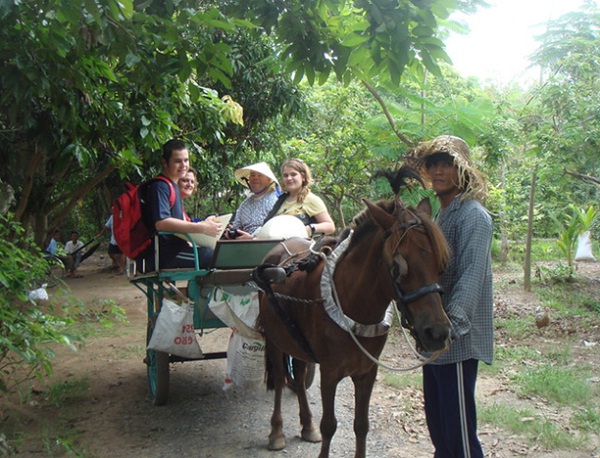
{"x": 586, "y": 178}
{"x": 384, "y": 107}
{"x": 79, "y": 193}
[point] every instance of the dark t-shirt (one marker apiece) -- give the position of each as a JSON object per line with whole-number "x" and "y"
{"x": 174, "y": 252}
{"x": 158, "y": 208}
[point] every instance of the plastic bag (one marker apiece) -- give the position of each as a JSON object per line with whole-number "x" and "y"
{"x": 174, "y": 331}
{"x": 246, "y": 350}
{"x": 245, "y": 362}
{"x": 239, "y": 312}
{"x": 584, "y": 247}
{"x": 39, "y": 294}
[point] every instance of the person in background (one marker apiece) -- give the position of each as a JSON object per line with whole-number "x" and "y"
{"x": 73, "y": 252}
{"x": 251, "y": 213}
{"x": 449, "y": 381}
{"x": 115, "y": 253}
{"x": 52, "y": 247}
{"x": 158, "y": 215}
{"x": 187, "y": 187}
{"x": 298, "y": 200}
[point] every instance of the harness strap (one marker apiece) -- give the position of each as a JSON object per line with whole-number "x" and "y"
{"x": 287, "y": 319}
{"x": 403, "y": 300}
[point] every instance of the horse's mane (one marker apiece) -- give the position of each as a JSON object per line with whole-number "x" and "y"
{"x": 363, "y": 224}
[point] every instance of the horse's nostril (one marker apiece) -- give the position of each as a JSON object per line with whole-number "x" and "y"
{"x": 437, "y": 333}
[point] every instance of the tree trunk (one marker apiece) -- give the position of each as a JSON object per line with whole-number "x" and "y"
{"x": 527, "y": 267}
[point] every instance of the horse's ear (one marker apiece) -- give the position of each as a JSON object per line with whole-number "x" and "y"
{"x": 425, "y": 206}
{"x": 381, "y": 217}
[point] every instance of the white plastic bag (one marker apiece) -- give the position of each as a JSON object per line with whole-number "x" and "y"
{"x": 239, "y": 312}
{"x": 174, "y": 331}
{"x": 584, "y": 247}
{"x": 39, "y": 294}
{"x": 246, "y": 350}
{"x": 245, "y": 362}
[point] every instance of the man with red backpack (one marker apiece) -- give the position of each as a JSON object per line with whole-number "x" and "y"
{"x": 161, "y": 213}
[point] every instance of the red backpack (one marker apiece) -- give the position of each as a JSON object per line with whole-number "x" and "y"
{"x": 131, "y": 234}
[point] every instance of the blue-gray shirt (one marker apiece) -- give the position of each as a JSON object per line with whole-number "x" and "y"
{"x": 467, "y": 282}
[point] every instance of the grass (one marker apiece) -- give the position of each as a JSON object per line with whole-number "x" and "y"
{"x": 530, "y": 424}
{"x": 559, "y": 385}
{"x": 63, "y": 393}
{"x": 406, "y": 380}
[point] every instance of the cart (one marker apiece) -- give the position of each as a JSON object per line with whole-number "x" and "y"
{"x": 231, "y": 269}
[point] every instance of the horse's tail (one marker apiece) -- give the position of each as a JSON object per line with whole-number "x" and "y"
{"x": 269, "y": 371}
{"x": 271, "y": 368}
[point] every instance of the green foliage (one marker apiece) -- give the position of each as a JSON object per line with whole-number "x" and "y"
{"x": 575, "y": 223}
{"x": 559, "y": 273}
{"x": 25, "y": 329}
{"x": 28, "y": 329}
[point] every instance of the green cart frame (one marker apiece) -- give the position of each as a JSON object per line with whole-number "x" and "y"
{"x": 233, "y": 262}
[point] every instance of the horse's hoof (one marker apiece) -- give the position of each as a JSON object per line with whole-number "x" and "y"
{"x": 311, "y": 435}
{"x": 277, "y": 443}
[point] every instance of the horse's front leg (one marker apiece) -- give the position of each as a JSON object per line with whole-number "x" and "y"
{"x": 363, "y": 388}
{"x": 329, "y": 384}
{"x": 310, "y": 432}
{"x": 275, "y": 381}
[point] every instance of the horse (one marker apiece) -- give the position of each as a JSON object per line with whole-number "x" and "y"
{"x": 391, "y": 251}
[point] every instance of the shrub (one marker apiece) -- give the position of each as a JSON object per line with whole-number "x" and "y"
{"x": 25, "y": 329}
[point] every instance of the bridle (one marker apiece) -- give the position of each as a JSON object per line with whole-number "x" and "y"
{"x": 402, "y": 300}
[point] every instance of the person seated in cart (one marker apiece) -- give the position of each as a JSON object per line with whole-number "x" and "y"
{"x": 187, "y": 187}
{"x": 159, "y": 215}
{"x": 251, "y": 213}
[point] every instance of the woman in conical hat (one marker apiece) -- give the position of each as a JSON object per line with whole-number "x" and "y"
{"x": 449, "y": 381}
{"x": 262, "y": 185}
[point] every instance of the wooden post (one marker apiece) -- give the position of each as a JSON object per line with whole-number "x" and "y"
{"x": 527, "y": 266}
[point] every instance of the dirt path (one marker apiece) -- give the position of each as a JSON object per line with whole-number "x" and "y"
{"x": 114, "y": 419}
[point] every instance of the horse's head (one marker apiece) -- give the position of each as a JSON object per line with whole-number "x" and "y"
{"x": 416, "y": 253}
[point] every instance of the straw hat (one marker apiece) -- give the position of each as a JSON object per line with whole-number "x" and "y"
{"x": 470, "y": 180}
{"x": 260, "y": 167}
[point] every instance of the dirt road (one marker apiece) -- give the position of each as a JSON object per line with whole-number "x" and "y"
{"x": 113, "y": 418}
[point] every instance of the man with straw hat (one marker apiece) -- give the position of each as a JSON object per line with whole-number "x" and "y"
{"x": 251, "y": 213}
{"x": 449, "y": 382}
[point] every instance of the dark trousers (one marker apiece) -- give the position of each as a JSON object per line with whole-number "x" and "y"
{"x": 449, "y": 391}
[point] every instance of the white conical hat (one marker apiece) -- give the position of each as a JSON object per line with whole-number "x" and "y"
{"x": 260, "y": 167}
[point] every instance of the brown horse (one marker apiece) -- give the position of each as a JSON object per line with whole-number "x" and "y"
{"x": 393, "y": 252}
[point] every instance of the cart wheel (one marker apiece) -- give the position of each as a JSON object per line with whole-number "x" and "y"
{"x": 157, "y": 368}
{"x": 289, "y": 378}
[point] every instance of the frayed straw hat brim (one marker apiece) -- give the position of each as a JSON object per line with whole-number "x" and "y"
{"x": 471, "y": 181}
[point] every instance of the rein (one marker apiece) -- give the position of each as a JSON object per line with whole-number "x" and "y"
{"x": 402, "y": 302}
